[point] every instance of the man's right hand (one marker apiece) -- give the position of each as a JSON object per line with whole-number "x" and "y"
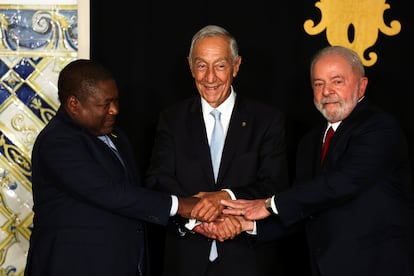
{"x": 209, "y": 208}
{"x": 186, "y": 205}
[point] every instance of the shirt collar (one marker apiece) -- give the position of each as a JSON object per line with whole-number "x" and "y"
{"x": 334, "y": 125}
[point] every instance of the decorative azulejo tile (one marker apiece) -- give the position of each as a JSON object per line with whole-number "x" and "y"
{"x": 36, "y": 42}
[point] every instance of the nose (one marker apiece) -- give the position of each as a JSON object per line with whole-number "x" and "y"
{"x": 114, "y": 108}
{"x": 326, "y": 90}
{"x": 210, "y": 75}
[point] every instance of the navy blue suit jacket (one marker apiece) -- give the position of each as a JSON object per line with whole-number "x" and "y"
{"x": 89, "y": 210}
{"x": 357, "y": 206}
{"x": 253, "y": 165}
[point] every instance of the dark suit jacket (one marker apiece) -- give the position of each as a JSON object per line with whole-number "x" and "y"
{"x": 89, "y": 210}
{"x": 357, "y": 205}
{"x": 253, "y": 165}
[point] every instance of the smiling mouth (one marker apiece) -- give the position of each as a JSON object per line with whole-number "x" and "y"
{"x": 110, "y": 122}
{"x": 329, "y": 103}
{"x": 211, "y": 88}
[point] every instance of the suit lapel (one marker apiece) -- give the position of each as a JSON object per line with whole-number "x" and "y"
{"x": 240, "y": 124}
{"x": 120, "y": 151}
{"x": 356, "y": 116}
{"x": 318, "y": 140}
{"x": 197, "y": 132}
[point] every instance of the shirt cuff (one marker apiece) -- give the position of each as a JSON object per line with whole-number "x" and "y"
{"x": 254, "y": 231}
{"x": 192, "y": 223}
{"x": 233, "y": 197}
{"x": 174, "y": 205}
{"x": 273, "y": 204}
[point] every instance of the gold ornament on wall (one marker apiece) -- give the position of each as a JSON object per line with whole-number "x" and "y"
{"x": 354, "y": 24}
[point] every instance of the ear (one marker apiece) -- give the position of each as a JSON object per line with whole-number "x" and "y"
{"x": 73, "y": 104}
{"x": 190, "y": 64}
{"x": 362, "y": 87}
{"x": 237, "y": 66}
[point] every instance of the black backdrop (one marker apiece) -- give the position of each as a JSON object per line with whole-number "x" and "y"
{"x": 146, "y": 44}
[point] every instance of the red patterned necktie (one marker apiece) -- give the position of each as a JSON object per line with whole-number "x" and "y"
{"x": 328, "y": 137}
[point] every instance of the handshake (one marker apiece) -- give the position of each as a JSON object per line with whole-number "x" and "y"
{"x": 216, "y": 216}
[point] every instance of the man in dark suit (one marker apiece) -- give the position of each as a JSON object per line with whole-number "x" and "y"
{"x": 357, "y": 202}
{"x": 253, "y": 162}
{"x": 90, "y": 206}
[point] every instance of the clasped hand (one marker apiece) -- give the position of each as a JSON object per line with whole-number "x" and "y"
{"x": 215, "y": 224}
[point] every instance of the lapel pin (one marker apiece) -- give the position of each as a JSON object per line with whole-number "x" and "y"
{"x": 244, "y": 124}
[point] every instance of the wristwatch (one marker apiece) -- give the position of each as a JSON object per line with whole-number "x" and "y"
{"x": 268, "y": 204}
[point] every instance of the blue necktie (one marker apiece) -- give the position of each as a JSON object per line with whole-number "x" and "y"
{"x": 111, "y": 145}
{"x": 216, "y": 148}
{"x": 217, "y": 142}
